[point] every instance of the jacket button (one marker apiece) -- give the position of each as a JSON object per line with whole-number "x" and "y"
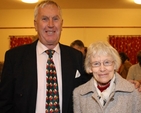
{"x": 21, "y": 95}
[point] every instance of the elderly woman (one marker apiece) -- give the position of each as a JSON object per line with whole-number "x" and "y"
{"x": 107, "y": 91}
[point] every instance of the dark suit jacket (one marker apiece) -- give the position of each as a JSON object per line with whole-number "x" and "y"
{"x": 18, "y": 87}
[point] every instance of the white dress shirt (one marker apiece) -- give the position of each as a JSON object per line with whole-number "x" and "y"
{"x": 41, "y": 74}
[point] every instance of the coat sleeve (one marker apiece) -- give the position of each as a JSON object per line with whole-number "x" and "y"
{"x": 137, "y": 102}
{"x": 76, "y": 101}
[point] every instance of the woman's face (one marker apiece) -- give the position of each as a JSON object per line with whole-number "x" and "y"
{"x": 102, "y": 68}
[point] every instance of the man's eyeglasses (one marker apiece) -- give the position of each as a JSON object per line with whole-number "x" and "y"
{"x": 105, "y": 63}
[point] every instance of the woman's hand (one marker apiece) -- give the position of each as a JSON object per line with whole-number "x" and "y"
{"x": 137, "y": 84}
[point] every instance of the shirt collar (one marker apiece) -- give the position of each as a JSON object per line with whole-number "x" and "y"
{"x": 42, "y": 48}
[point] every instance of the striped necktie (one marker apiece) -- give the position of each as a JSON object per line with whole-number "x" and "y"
{"x": 52, "y": 95}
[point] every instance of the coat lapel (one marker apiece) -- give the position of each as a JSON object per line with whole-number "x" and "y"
{"x": 67, "y": 78}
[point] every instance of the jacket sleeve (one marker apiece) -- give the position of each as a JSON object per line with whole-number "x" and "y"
{"x": 6, "y": 86}
{"x": 130, "y": 75}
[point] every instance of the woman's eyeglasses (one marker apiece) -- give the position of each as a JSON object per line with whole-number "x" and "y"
{"x": 105, "y": 63}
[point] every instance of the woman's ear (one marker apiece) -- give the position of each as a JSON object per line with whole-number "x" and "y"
{"x": 115, "y": 69}
{"x": 90, "y": 70}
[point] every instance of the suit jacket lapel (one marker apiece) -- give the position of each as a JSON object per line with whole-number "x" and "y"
{"x": 30, "y": 71}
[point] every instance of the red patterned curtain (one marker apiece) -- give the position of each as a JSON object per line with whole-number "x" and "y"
{"x": 130, "y": 44}
{"x": 20, "y": 40}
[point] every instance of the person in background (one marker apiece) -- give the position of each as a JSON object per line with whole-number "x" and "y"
{"x": 23, "y": 81}
{"x": 125, "y": 65}
{"x": 134, "y": 72}
{"x": 107, "y": 91}
{"x": 79, "y": 45}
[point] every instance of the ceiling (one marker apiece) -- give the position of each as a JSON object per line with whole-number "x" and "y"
{"x": 74, "y": 4}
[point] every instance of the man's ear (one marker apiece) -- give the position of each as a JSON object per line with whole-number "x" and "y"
{"x": 35, "y": 25}
{"x": 62, "y": 25}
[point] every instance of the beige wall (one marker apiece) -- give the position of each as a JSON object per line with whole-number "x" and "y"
{"x": 99, "y": 19}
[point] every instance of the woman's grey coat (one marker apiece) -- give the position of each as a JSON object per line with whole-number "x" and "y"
{"x": 125, "y": 98}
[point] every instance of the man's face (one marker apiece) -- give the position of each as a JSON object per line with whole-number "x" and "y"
{"x": 48, "y": 25}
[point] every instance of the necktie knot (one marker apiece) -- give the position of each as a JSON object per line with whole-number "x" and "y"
{"x": 50, "y": 53}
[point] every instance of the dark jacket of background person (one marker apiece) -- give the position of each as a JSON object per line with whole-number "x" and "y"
{"x": 125, "y": 65}
{"x": 79, "y": 45}
{"x": 18, "y": 88}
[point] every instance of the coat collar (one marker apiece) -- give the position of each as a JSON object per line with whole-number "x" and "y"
{"x": 122, "y": 85}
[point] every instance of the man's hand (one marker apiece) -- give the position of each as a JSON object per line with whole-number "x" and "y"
{"x": 137, "y": 84}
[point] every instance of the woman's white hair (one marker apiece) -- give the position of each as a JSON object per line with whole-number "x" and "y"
{"x": 101, "y": 48}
